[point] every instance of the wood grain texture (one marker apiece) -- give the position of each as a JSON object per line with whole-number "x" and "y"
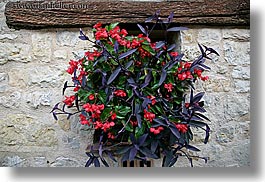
{"x": 46, "y": 14}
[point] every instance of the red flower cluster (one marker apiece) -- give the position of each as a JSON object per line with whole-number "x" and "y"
{"x": 113, "y": 116}
{"x": 91, "y": 97}
{"x": 184, "y": 72}
{"x": 83, "y": 120}
{"x": 183, "y": 128}
{"x": 120, "y": 93}
{"x": 104, "y": 126}
{"x": 101, "y": 33}
{"x": 174, "y": 54}
{"x": 94, "y": 109}
{"x": 157, "y": 130}
{"x": 149, "y": 116}
{"x": 153, "y": 99}
{"x": 198, "y": 72}
{"x": 73, "y": 66}
{"x": 92, "y": 55}
{"x": 168, "y": 86}
{"x": 134, "y": 123}
{"x": 111, "y": 136}
{"x": 69, "y": 100}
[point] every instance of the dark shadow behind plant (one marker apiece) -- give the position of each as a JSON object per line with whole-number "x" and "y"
{"x": 133, "y": 93}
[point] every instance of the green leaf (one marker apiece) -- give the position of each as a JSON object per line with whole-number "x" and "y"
{"x": 111, "y": 26}
{"x": 149, "y": 49}
{"x": 105, "y": 114}
{"x": 102, "y": 96}
{"x": 114, "y": 62}
{"x": 122, "y": 110}
{"x": 139, "y": 131}
{"x": 128, "y": 126}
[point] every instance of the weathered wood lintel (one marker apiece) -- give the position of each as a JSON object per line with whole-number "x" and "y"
{"x": 47, "y": 14}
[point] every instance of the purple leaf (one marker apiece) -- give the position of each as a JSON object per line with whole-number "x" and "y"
{"x": 202, "y": 116}
{"x": 132, "y": 138}
{"x": 148, "y": 153}
{"x": 207, "y": 134}
{"x": 171, "y": 47}
{"x": 82, "y": 35}
{"x": 124, "y": 55}
{"x": 204, "y": 66}
{"x": 132, "y": 154}
{"x": 142, "y": 139}
{"x": 170, "y": 17}
{"x": 147, "y": 79}
{"x": 163, "y": 77}
{"x": 142, "y": 29}
{"x": 125, "y": 157}
{"x": 111, "y": 156}
{"x": 64, "y": 87}
{"x": 137, "y": 115}
{"x": 83, "y": 84}
{"x": 116, "y": 47}
{"x": 55, "y": 107}
{"x": 114, "y": 75}
{"x": 89, "y": 162}
{"x": 176, "y": 29}
{"x": 161, "y": 122}
{"x": 174, "y": 131}
{"x": 189, "y": 147}
{"x": 128, "y": 64}
{"x": 96, "y": 162}
{"x": 76, "y": 102}
{"x": 197, "y": 97}
{"x": 154, "y": 145}
{"x": 160, "y": 44}
{"x": 104, "y": 162}
{"x": 201, "y": 49}
{"x": 54, "y": 115}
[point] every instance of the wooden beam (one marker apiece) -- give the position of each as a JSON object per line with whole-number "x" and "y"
{"x": 46, "y": 14}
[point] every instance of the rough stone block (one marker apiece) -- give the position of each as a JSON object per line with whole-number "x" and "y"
{"x": 27, "y": 131}
{"x": 64, "y": 162}
{"x": 14, "y": 52}
{"x": 240, "y": 35}
{"x": 237, "y": 53}
{"x": 42, "y": 46}
{"x": 242, "y": 86}
{"x": 241, "y": 72}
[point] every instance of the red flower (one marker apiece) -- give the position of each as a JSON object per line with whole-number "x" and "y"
{"x": 91, "y": 97}
{"x": 134, "y": 123}
{"x": 111, "y": 136}
{"x": 149, "y": 116}
{"x": 174, "y": 54}
{"x": 182, "y": 76}
{"x": 83, "y": 120}
{"x": 101, "y": 34}
{"x": 124, "y": 32}
{"x": 98, "y": 25}
{"x": 120, "y": 93}
{"x": 69, "y": 100}
{"x": 157, "y": 130}
{"x": 94, "y": 109}
{"x": 204, "y": 78}
{"x": 113, "y": 116}
{"x": 73, "y": 65}
{"x": 168, "y": 86}
{"x": 153, "y": 99}
{"x": 76, "y": 88}
{"x": 183, "y": 128}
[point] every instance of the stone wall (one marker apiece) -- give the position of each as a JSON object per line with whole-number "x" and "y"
{"x": 32, "y": 73}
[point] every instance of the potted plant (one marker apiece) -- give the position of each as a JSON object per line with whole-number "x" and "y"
{"x": 138, "y": 95}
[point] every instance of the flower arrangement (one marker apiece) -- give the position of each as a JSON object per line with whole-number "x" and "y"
{"x": 133, "y": 92}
